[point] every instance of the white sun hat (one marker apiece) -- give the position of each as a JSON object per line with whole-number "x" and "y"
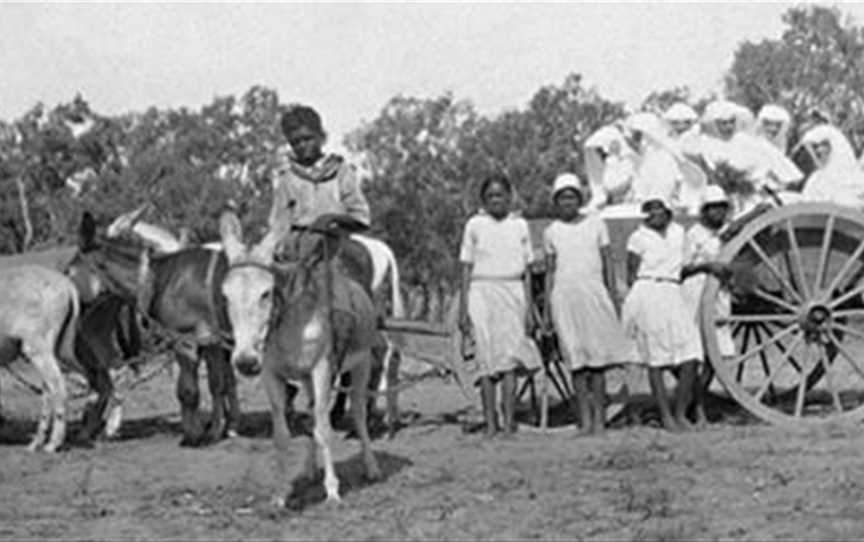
{"x": 712, "y": 194}
{"x": 567, "y": 180}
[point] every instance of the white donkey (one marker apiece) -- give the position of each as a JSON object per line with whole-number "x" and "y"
{"x": 39, "y": 310}
{"x": 306, "y": 323}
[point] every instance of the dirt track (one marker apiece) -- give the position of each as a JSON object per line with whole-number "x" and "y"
{"x": 735, "y": 480}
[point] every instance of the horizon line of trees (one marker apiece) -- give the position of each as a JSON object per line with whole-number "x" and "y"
{"x": 421, "y": 157}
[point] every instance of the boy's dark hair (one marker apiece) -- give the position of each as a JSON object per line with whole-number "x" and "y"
{"x": 301, "y": 115}
{"x": 495, "y": 178}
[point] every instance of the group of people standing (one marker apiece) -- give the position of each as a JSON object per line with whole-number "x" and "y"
{"x": 663, "y": 166}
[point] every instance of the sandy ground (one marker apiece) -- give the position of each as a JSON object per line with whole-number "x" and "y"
{"x": 739, "y": 479}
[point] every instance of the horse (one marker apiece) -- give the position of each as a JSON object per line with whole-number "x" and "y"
{"x": 39, "y": 310}
{"x": 307, "y": 321}
{"x": 179, "y": 293}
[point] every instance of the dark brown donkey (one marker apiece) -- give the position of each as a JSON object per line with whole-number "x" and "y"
{"x": 180, "y": 293}
{"x": 306, "y": 323}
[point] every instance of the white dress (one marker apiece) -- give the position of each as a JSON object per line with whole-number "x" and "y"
{"x": 500, "y": 251}
{"x": 588, "y": 329}
{"x": 703, "y": 245}
{"x": 655, "y": 313}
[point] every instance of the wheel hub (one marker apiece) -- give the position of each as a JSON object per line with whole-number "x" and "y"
{"x": 814, "y": 320}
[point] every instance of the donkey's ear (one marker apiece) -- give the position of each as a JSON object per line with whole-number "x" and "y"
{"x": 87, "y": 229}
{"x": 231, "y": 232}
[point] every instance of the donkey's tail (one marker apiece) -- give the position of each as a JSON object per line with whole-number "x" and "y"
{"x": 397, "y": 307}
{"x": 66, "y": 342}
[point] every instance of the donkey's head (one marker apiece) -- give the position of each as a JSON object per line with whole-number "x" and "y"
{"x": 249, "y": 288}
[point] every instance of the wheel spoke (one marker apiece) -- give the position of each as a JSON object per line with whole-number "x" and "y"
{"x": 777, "y": 337}
{"x": 848, "y": 313}
{"x": 847, "y": 329}
{"x": 829, "y": 379}
{"x": 802, "y": 384}
{"x": 845, "y": 353}
{"x": 758, "y": 318}
{"x": 745, "y": 342}
{"x": 764, "y": 359}
{"x": 774, "y": 299}
{"x": 773, "y": 268}
{"x": 858, "y": 290}
{"x": 847, "y": 266}
{"x": 824, "y": 254}
{"x": 796, "y": 256}
{"x": 782, "y": 350}
{"x": 770, "y": 380}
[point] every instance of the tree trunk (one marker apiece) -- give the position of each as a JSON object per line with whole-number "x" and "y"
{"x": 25, "y": 213}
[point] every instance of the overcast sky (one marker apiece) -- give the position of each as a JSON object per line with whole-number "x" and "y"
{"x": 349, "y": 59}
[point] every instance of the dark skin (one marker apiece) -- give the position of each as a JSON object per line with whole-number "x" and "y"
{"x": 307, "y": 144}
{"x": 713, "y": 216}
{"x": 589, "y": 384}
{"x": 496, "y": 202}
{"x": 658, "y": 219}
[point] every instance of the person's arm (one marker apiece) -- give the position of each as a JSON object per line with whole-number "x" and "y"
{"x": 548, "y": 285}
{"x": 609, "y": 279}
{"x": 633, "y": 261}
{"x": 464, "y": 284}
{"x": 466, "y": 265}
{"x": 351, "y": 195}
{"x": 608, "y": 264}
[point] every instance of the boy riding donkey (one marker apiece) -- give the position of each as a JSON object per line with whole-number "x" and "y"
{"x": 326, "y": 200}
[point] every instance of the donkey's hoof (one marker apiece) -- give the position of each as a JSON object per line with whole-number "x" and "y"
{"x": 34, "y": 446}
{"x": 192, "y": 441}
{"x": 374, "y": 474}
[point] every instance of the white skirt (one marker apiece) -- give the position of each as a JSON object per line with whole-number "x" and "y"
{"x": 497, "y": 309}
{"x": 589, "y": 332}
{"x": 656, "y": 316}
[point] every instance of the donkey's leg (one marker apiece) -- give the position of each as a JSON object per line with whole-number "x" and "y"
{"x": 44, "y": 420}
{"x": 100, "y": 381}
{"x": 189, "y": 396}
{"x": 323, "y": 431}
{"x": 55, "y": 399}
{"x": 391, "y": 379}
{"x": 276, "y": 393}
{"x": 359, "y": 393}
{"x": 218, "y": 390}
{"x": 232, "y": 403}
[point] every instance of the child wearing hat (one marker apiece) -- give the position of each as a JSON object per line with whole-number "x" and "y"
{"x": 655, "y": 314}
{"x": 702, "y": 247}
{"x": 582, "y": 300}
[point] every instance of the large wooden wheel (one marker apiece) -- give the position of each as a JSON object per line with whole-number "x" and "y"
{"x": 798, "y": 320}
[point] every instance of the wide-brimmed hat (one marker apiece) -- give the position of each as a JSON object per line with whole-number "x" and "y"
{"x": 565, "y": 181}
{"x": 662, "y": 199}
{"x": 712, "y": 194}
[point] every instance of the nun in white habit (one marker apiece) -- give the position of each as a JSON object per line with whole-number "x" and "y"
{"x": 610, "y": 165}
{"x": 837, "y": 177}
{"x": 662, "y": 168}
{"x": 772, "y": 125}
{"x": 766, "y": 167}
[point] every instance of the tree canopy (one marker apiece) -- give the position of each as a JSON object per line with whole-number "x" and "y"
{"x": 422, "y": 158}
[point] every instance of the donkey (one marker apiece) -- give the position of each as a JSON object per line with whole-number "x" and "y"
{"x": 108, "y": 335}
{"x": 39, "y": 310}
{"x": 307, "y": 322}
{"x": 179, "y": 292}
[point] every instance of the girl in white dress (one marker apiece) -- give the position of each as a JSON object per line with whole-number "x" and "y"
{"x": 655, "y": 313}
{"x": 702, "y": 247}
{"x": 582, "y": 300}
{"x": 496, "y": 250}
